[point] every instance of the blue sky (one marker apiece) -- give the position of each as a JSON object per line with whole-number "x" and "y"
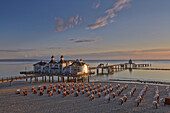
{"x": 89, "y": 29}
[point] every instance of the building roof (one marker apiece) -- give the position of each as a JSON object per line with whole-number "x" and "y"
{"x": 78, "y": 63}
{"x": 52, "y": 62}
{"x": 41, "y": 63}
{"x": 64, "y": 61}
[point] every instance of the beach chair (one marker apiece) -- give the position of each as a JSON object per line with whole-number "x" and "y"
{"x": 24, "y": 92}
{"x": 18, "y": 91}
{"x": 107, "y": 99}
{"x": 45, "y": 87}
{"x": 41, "y": 92}
{"x": 77, "y": 93}
{"x": 59, "y": 91}
{"x": 68, "y": 92}
{"x": 51, "y": 93}
{"x": 54, "y": 89}
{"x": 35, "y": 91}
{"x": 91, "y": 97}
{"x": 155, "y": 104}
{"x": 99, "y": 94}
{"x": 64, "y": 94}
{"x": 167, "y": 101}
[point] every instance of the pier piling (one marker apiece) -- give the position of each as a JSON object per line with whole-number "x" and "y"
{"x": 11, "y": 83}
{"x": 45, "y": 79}
{"x": 31, "y": 80}
{"x": 49, "y": 79}
{"x": 52, "y": 78}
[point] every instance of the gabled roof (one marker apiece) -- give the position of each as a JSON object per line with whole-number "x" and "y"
{"x": 64, "y": 61}
{"x": 52, "y": 62}
{"x": 41, "y": 63}
{"x": 77, "y": 63}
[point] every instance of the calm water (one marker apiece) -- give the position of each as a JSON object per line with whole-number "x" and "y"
{"x": 8, "y": 69}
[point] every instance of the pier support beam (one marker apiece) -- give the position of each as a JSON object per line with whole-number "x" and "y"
{"x": 102, "y": 70}
{"x": 49, "y": 79}
{"x": 97, "y": 71}
{"x": 67, "y": 78}
{"x": 52, "y": 78}
{"x": 31, "y": 80}
{"x": 75, "y": 79}
{"x": 125, "y": 66}
{"x": 58, "y": 79}
{"x": 82, "y": 79}
{"x": 11, "y": 83}
{"x": 42, "y": 78}
{"x": 108, "y": 70}
{"x": 63, "y": 79}
{"x": 45, "y": 79}
{"x": 26, "y": 78}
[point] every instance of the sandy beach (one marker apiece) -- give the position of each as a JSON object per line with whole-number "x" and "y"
{"x": 32, "y": 103}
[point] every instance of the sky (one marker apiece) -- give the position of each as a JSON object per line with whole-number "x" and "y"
{"x": 87, "y": 29}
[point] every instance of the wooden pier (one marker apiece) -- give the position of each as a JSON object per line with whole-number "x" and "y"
{"x": 117, "y": 67}
{"x": 30, "y": 75}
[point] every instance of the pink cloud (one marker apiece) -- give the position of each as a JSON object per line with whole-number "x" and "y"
{"x": 110, "y": 14}
{"x": 71, "y": 22}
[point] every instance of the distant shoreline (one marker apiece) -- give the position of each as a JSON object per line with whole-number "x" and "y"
{"x": 18, "y": 60}
{"x": 142, "y": 81}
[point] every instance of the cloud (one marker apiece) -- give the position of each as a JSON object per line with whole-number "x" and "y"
{"x": 51, "y": 48}
{"x": 96, "y": 5}
{"x": 84, "y": 40}
{"x": 16, "y": 50}
{"x": 71, "y": 22}
{"x": 110, "y": 14}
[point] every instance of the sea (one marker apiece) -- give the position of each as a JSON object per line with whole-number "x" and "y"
{"x": 12, "y": 68}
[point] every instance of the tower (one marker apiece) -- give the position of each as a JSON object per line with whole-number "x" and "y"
{"x": 62, "y": 58}
{"x": 52, "y": 58}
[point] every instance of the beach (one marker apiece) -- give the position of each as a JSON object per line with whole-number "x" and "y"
{"x": 11, "y": 102}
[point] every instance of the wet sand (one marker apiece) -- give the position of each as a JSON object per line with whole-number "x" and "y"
{"x": 33, "y": 103}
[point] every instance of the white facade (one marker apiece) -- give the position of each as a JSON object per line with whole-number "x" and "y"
{"x": 62, "y": 67}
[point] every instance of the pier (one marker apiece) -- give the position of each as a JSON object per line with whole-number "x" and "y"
{"x": 29, "y": 76}
{"x": 43, "y": 76}
{"x": 117, "y": 67}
